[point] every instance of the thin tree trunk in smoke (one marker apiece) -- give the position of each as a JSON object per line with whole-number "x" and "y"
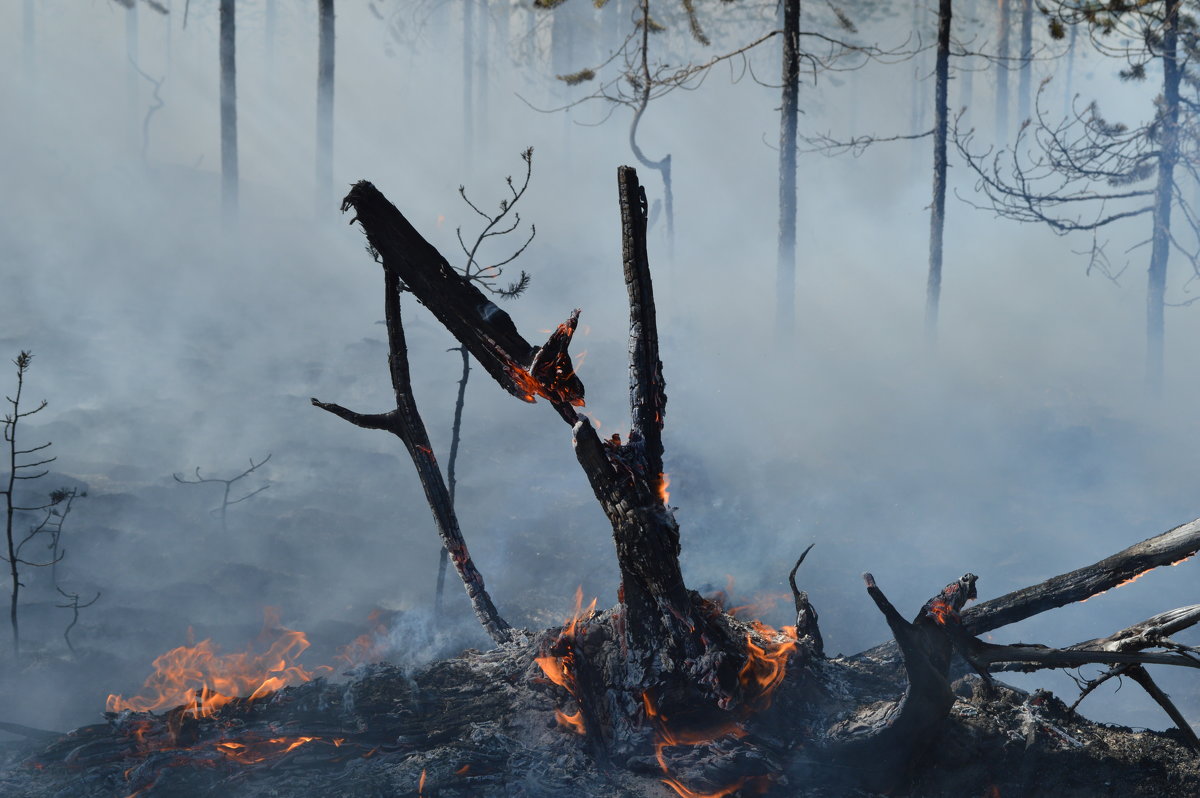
{"x": 325, "y": 105}
{"x": 937, "y": 211}
{"x": 1002, "y": 73}
{"x": 785, "y": 275}
{"x": 918, "y": 88}
{"x": 131, "y": 69}
{"x": 1164, "y": 195}
{"x": 451, "y": 463}
{"x": 1067, "y": 94}
{"x": 229, "y": 154}
{"x": 483, "y": 32}
{"x": 468, "y": 70}
{"x": 28, "y": 29}
{"x": 1025, "y": 87}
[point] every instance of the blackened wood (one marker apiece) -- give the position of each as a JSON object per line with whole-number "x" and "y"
{"x": 937, "y": 209}
{"x": 1166, "y": 549}
{"x": 647, "y": 394}
{"x": 1139, "y": 675}
{"x": 325, "y": 62}
{"x": 487, "y": 331}
{"x": 807, "y": 621}
{"x": 229, "y": 151}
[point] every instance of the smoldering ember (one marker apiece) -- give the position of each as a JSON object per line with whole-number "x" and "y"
{"x": 979, "y": 466}
{"x": 665, "y": 688}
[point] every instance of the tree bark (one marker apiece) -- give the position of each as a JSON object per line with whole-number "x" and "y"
{"x": 229, "y": 154}
{"x": 785, "y": 275}
{"x": 937, "y": 211}
{"x": 325, "y": 50}
{"x": 1164, "y": 197}
{"x": 1002, "y": 73}
{"x": 451, "y": 472}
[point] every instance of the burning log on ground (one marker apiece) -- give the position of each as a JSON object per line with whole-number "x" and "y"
{"x": 665, "y": 693}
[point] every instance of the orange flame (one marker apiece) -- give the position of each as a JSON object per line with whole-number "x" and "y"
{"x": 202, "y": 680}
{"x": 664, "y": 482}
{"x": 766, "y": 665}
{"x": 1136, "y": 577}
{"x": 421, "y": 784}
{"x": 561, "y": 669}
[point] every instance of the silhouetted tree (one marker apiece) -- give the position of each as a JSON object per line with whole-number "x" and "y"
{"x": 229, "y": 149}
{"x": 21, "y": 467}
{"x": 226, "y": 503}
{"x": 325, "y": 24}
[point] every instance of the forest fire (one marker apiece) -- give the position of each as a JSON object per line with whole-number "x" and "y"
{"x": 202, "y": 680}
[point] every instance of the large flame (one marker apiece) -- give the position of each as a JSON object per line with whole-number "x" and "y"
{"x": 203, "y": 680}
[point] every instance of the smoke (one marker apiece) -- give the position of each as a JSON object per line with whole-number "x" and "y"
{"x": 1022, "y": 446}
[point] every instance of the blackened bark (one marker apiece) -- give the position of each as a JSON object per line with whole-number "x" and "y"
{"x": 1164, "y": 191}
{"x": 785, "y": 275}
{"x": 325, "y": 62}
{"x": 1168, "y": 548}
{"x": 937, "y": 211}
{"x": 405, "y": 423}
{"x": 1002, "y": 73}
{"x": 229, "y": 154}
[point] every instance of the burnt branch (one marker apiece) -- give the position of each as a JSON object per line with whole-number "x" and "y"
{"x": 405, "y": 423}
{"x": 807, "y": 625}
{"x": 1169, "y": 548}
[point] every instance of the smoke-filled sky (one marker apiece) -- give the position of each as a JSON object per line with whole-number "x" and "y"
{"x": 1022, "y": 446}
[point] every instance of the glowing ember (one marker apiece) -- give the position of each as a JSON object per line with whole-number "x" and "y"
{"x": 942, "y": 611}
{"x": 664, "y": 482}
{"x": 421, "y": 784}
{"x": 1135, "y": 577}
{"x": 203, "y": 680}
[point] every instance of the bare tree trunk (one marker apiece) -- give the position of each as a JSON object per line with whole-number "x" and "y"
{"x": 229, "y": 154}
{"x": 785, "y": 275}
{"x": 451, "y": 463}
{"x": 1025, "y": 86}
{"x": 1164, "y": 192}
{"x": 937, "y": 211}
{"x": 325, "y": 105}
{"x": 468, "y": 70}
{"x": 1002, "y": 73}
{"x": 1067, "y": 94}
{"x": 483, "y": 32}
{"x": 663, "y": 165}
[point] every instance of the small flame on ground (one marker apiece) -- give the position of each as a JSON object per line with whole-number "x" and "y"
{"x": 421, "y": 784}
{"x": 203, "y": 680}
